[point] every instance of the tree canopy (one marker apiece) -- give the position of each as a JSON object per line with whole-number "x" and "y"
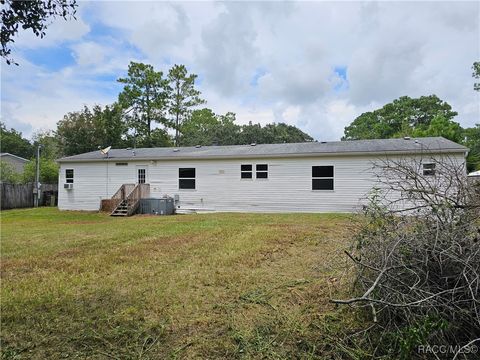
{"x": 418, "y": 117}
{"x": 183, "y": 97}
{"x": 402, "y": 117}
{"x": 13, "y": 143}
{"x": 87, "y": 129}
{"x": 48, "y": 171}
{"x": 35, "y": 15}
{"x": 476, "y": 75}
{"x": 204, "y": 127}
{"x": 440, "y": 126}
{"x": 8, "y": 174}
{"x": 472, "y": 141}
{"x": 144, "y": 99}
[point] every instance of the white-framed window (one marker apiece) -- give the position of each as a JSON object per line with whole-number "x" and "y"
{"x": 262, "y": 171}
{"x": 428, "y": 169}
{"x": 69, "y": 176}
{"x": 323, "y": 177}
{"x": 142, "y": 175}
{"x": 246, "y": 171}
{"x": 186, "y": 178}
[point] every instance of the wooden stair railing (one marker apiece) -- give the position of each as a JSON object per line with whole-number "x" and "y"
{"x": 127, "y": 202}
{"x": 120, "y": 195}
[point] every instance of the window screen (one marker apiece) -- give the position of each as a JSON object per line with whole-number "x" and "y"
{"x": 262, "y": 171}
{"x": 186, "y": 178}
{"x": 429, "y": 169}
{"x": 322, "y": 178}
{"x": 246, "y": 171}
{"x": 186, "y": 173}
{"x": 322, "y": 184}
{"x": 69, "y": 176}
{"x": 322, "y": 171}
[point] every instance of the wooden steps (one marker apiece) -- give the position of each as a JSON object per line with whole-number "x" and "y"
{"x": 128, "y": 198}
{"x": 121, "y": 209}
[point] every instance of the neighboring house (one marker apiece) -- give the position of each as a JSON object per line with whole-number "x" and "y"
{"x": 303, "y": 177}
{"x": 17, "y": 162}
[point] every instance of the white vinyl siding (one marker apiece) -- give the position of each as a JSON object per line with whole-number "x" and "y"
{"x": 219, "y": 186}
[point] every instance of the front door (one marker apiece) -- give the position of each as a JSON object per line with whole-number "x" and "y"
{"x": 142, "y": 174}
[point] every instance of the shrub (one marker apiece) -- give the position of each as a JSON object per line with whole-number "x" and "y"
{"x": 8, "y": 173}
{"x": 48, "y": 171}
{"x": 417, "y": 258}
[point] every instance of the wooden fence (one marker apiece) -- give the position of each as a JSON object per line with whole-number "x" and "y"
{"x": 14, "y": 196}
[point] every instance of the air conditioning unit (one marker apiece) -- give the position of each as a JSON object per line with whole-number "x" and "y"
{"x": 68, "y": 186}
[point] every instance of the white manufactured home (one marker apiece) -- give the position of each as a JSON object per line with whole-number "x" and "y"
{"x": 301, "y": 177}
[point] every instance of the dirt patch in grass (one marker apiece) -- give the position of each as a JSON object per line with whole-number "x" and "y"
{"x": 192, "y": 286}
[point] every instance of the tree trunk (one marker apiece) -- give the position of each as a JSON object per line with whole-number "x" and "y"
{"x": 177, "y": 115}
{"x": 149, "y": 120}
{"x": 176, "y": 129}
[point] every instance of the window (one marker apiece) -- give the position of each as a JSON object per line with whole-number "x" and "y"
{"x": 141, "y": 176}
{"x": 322, "y": 177}
{"x": 186, "y": 178}
{"x": 429, "y": 169}
{"x": 246, "y": 171}
{"x": 262, "y": 171}
{"x": 69, "y": 176}
{"x": 121, "y": 164}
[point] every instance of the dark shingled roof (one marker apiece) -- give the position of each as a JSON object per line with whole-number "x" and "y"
{"x": 380, "y": 146}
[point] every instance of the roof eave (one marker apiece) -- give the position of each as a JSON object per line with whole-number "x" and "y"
{"x": 15, "y": 156}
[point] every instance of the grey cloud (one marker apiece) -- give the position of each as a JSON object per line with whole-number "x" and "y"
{"x": 233, "y": 43}
{"x": 297, "y": 84}
{"x": 390, "y": 49}
{"x": 11, "y": 121}
{"x": 229, "y": 55}
{"x": 156, "y": 37}
{"x": 382, "y": 73}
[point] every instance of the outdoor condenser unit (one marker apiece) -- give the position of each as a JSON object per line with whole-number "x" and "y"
{"x": 157, "y": 206}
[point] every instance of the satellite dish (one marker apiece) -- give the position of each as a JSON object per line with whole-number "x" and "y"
{"x": 106, "y": 150}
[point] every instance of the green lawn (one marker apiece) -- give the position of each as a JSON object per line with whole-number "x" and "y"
{"x": 86, "y": 285}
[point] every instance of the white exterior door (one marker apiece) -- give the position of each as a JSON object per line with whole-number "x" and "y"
{"x": 142, "y": 174}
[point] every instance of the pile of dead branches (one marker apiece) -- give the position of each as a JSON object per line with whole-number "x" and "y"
{"x": 417, "y": 258}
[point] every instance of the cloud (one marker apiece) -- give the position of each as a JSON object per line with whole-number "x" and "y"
{"x": 156, "y": 37}
{"x": 57, "y": 32}
{"x": 39, "y": 98}
{"x": 89, "y": 53}
{"x": 228, "y": 54}
{"x": 316, "y": 65}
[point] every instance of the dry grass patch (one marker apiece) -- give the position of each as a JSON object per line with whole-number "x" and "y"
{"x": 84, "y": 285}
